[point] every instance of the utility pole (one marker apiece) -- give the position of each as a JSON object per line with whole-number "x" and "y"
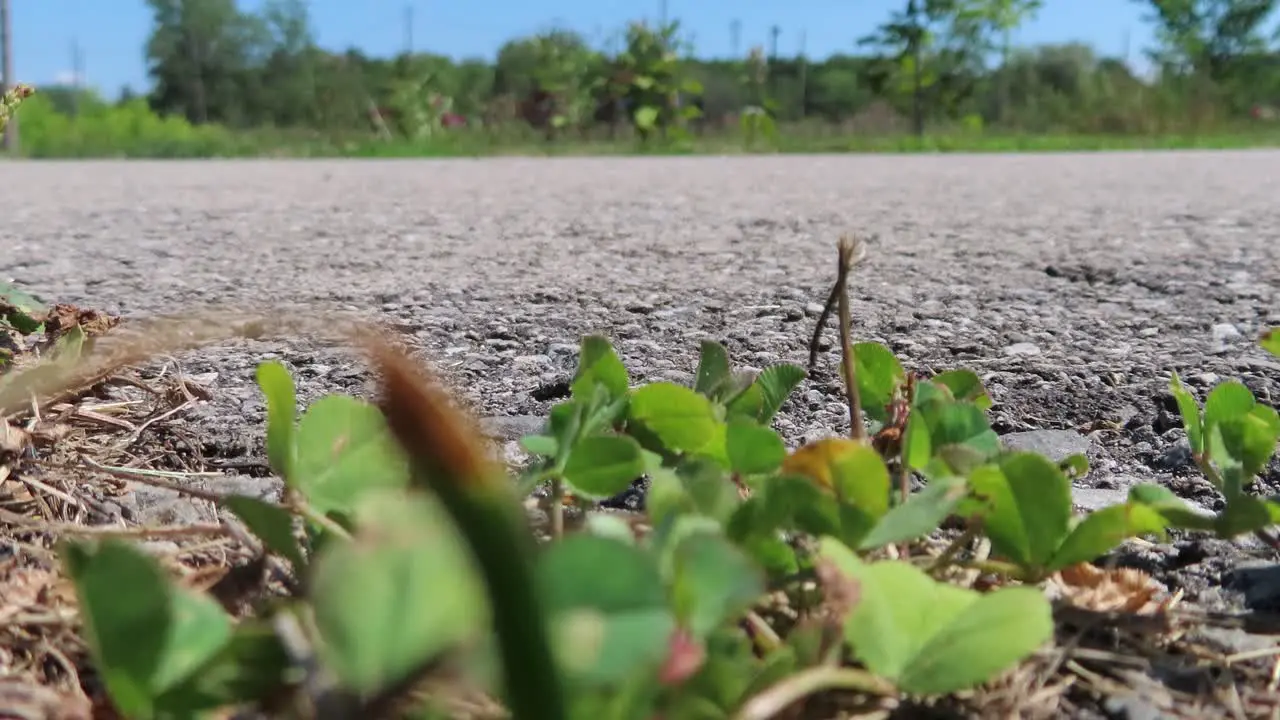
{"x": 7, "y": 80}
{"x": 804, "y": 76}
{"x": 774, "y": 32}
{"x": 77, "y": 76}
{"x": 408, "y": 29}
{"x": 735, "y": 38}
{"x": 662, "y": 13}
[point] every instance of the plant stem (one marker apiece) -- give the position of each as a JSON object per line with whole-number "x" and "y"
{"x": 781, "y": 695}
{"x": 970, "y": 532}
{"x": 556, "y": 510}
{"x": 847, "y": 257}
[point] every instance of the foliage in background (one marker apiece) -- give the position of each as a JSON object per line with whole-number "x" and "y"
{"x": 942, "y": 70}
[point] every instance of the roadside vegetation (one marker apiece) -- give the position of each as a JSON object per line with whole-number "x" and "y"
{"x": 937, "y": 75}
{"x": 916, "y": 566}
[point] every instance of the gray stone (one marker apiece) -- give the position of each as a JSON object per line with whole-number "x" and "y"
{"x": 512, "y": 427}
{"x": 1022, "y": 349}
{"x": 1097, "y": 498}
{"x": 1260, "y": 582}
{"x": 1053, "y": 444}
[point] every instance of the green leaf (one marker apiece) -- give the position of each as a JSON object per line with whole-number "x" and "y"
{"x": 708, "y": 487}
{"x": 930, "y": 637}
{"x": 1246, "y": 514}
{"x": 344, "y": 450}
{"x": 1190, "y": 412}
{"x": 879, "y": 377}
{"x": 1270, "y": 341}
{"x": 960, "y": 437}
{"x": 764, "y": 397}
{"x": 712, "y": 582}
{"x": 1104, "y": 529}
{"x": 1074, "y": 466}
{"x": 1175, "y": 510}
{"x": 21, "y": 310}
{"x": 401, "y": 592}
{"x": 965, "y": 386}
{"x": 1249, "y": 440}
{"x": 282, "y": 415}
{"x": 608, "y": 607}
{"x": 251, "y": 667}
{"x": 713, "y": 367}
{"x": 601, "y": 466}
{"x": 753, "y": 449}
{"x": 993, "y": 634}
{"x": 666, "y": 497}
{"x": 681, "y": 418}
{"x": 1028, "y": 507}
{"x": 144, "y": 634}
{"x": 1228, "y": 401}
{"x": 920, "y": 515}
{"x": 272, "y": 524}
{"x": 543, "y": 445}
{"x": 646, "y": 117}
{"x": 860, "y": 478}
{"x": 599, "y": 364}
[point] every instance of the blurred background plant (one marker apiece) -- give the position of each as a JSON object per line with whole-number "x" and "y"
{"x": 935, "y": 74}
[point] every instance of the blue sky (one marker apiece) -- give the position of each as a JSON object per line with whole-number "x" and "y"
{"x": 111, "y": 33}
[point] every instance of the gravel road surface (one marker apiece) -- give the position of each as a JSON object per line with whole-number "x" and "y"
{"x": 1074, "y": 284}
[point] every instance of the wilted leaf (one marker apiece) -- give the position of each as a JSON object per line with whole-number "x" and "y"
{"x": 1270, "y": 341}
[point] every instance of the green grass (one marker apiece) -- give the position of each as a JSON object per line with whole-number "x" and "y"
{"x": 132, "y": 131}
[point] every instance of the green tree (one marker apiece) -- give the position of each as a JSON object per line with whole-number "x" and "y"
{"x": 203, "y": 56}
{"x": 902, "y": 46}
{"x": 289, "y": 75}
{"x": 1207, "y": 36}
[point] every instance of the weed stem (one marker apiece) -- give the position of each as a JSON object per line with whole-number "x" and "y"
{"x": 848, "y": 256}
{"x": 782, "y": 695}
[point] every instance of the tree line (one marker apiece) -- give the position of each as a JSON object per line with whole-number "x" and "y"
{"x": 932, "y": 63}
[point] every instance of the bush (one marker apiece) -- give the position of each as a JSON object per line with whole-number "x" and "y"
{"x": 129, "y": 129}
